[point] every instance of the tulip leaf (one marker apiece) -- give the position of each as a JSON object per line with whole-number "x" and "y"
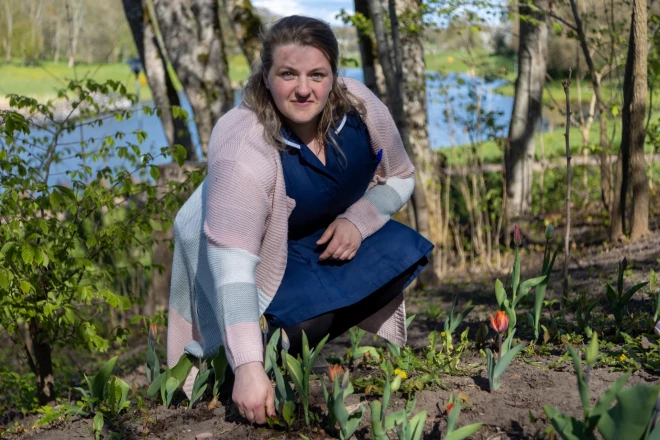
{"x": 289, "y": 413}
{"x": 182, "y": 368}
{"x": 219, "y": 364}
{"x": 515, "y": 277}
{"x": 606, "y": 399}
{"x": 360, "y": 352}
{"x": 500, "y": 293}
{"x": 271, "y": 347}
{"x": 629, "y": 418}
{"x": 464, "y": 432}
{"x": 506, "y": 359}
{"x": 452, "y": 417}
{"x": 293, "y": 368}
{"x": 154, "y": 388}
{"x": 417, "y": 425}
{"x": 629, "y": 294}
{"x": 582, "y": 385}
{"x": 171, "y": 386}
{"x": 101, "y": 378}
{"x": 315, "y": 353}
{"x": 525, "y": 286}
{"x": 567, "y": 427}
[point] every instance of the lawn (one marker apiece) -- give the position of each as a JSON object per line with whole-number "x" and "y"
{"x": 43, "y": 81}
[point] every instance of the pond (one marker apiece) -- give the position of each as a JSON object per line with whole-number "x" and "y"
{"x": 455, "y": 91}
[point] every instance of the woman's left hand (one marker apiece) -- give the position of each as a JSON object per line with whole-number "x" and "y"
{"x": 346, "y": 240}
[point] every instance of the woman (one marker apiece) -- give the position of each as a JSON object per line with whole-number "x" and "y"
{"x": 293, "y": 220}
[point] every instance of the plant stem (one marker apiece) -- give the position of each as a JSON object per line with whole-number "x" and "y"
{"x": 499, "y": 346}
{"x": 566, "y": 83}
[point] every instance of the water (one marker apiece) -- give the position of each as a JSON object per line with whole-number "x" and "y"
{"x": 457, "y": 89}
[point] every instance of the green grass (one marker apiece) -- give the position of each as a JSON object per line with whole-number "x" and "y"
{"x": 481, "y": 63}
{"x": 43, "y": 81}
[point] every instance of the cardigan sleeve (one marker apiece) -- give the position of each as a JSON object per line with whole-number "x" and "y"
{"x": 236, "y": 213}
{"x": 394, "y": 180}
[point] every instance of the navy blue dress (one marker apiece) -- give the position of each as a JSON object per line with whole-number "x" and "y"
{"x": 310, "y": 287}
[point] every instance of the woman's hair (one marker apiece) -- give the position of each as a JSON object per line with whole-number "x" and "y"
{"x": 301, "y": 31}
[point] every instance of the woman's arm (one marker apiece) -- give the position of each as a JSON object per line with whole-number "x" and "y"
{"x": 394, "y": 180}
{"x": 236, "y": 211}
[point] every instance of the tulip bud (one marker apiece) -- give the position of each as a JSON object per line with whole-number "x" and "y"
{"x": 263, "y": 323}
{"x": 592, "y": 350}
{"x": 624, "y": 263}
{"x": 346, "y": 381}
{"x": 153, "y": 332}
{"x": 500, "y": 322}
{"x": 517, "y": 235}
{"x": 285, "y": 341}
{"x": 396, "y": 383}
{"x": 334, "y": 371}
{"x": 657, "y": 328}
{"x": 450, "y": 407}
{"x": 549, "y": 232}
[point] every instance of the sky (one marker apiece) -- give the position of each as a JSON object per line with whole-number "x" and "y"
{"x": 321, "y": 9}
{"x": 325, "y": 10}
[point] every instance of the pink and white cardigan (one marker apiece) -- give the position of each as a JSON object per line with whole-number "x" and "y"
{"x": 231, "y": 236}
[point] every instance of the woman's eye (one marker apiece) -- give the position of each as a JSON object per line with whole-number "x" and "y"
{"x": 317, "y": 76}
{"x": 287, "y": 75}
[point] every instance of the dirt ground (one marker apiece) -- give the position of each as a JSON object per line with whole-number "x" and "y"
{"x": 515, "y": 411}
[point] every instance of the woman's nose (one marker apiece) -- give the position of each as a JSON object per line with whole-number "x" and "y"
{"x": 303, "y": 86}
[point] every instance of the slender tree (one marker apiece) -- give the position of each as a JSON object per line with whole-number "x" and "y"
{"x": 371, "y": 68}
{"x": 153, "y": 61}
{"x": 632, "y": 164}
{"x": 411, "y": 117}
{"x": 605, "y": 166}
{"x": 246, "y": 25}
{"x": 532, "y": 60}
{"x": 193, "y": 39}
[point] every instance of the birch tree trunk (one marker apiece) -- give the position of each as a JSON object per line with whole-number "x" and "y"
{"x": 10, "y": 28}
{"x": 246, "y": 25}
{"x": 411, "y": 118}
{"x": 193, "y": 40}
{"x": 75, "y": 17}
{"x": 632, "y": 164}
{"x": 606, "y": 183}
{"x": 153, "y": 61}
{"x": 532, "y": 60}
{"x": 372, "y": 70}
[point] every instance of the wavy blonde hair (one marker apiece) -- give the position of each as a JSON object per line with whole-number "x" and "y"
{"x": 301, "y": 31}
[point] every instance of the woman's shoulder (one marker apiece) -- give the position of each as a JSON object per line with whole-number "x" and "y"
{"x": 238, "y": 135}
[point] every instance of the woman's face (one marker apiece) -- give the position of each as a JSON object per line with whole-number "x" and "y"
{"x": 300, "y": 81}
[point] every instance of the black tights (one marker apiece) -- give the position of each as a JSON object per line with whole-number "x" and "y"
{"x": 336, "y": 322}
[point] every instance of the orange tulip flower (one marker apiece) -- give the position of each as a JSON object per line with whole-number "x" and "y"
{"x": 334, "y": 371}
{"x": 500, "y": 322}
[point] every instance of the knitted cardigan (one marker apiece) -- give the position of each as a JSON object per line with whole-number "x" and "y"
{"x": 231, "y": 236}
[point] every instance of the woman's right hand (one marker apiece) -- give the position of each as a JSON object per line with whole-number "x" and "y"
{"x": 253, "y": 392}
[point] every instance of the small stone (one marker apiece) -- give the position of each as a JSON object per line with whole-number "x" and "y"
{"x": 203, "y": 435}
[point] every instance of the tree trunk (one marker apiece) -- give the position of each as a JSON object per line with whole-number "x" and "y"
{"x": 371, "y": 68}
{"x": 246, "y": 25}
{"x": 605, "y": 167}
{"x": 41, "y": 364}
{"x": 532, "y": 59}
{"x": 153, "y": 61}
{"x": 9, "y": 30}
{"x": 193, "y": 39}
{"x": 632, "y": 164}
{"x": 74, "y": 13}
{"x": 411, "y": 118}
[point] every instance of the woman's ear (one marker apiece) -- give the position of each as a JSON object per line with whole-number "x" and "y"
{"x": 264, "y": 75}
